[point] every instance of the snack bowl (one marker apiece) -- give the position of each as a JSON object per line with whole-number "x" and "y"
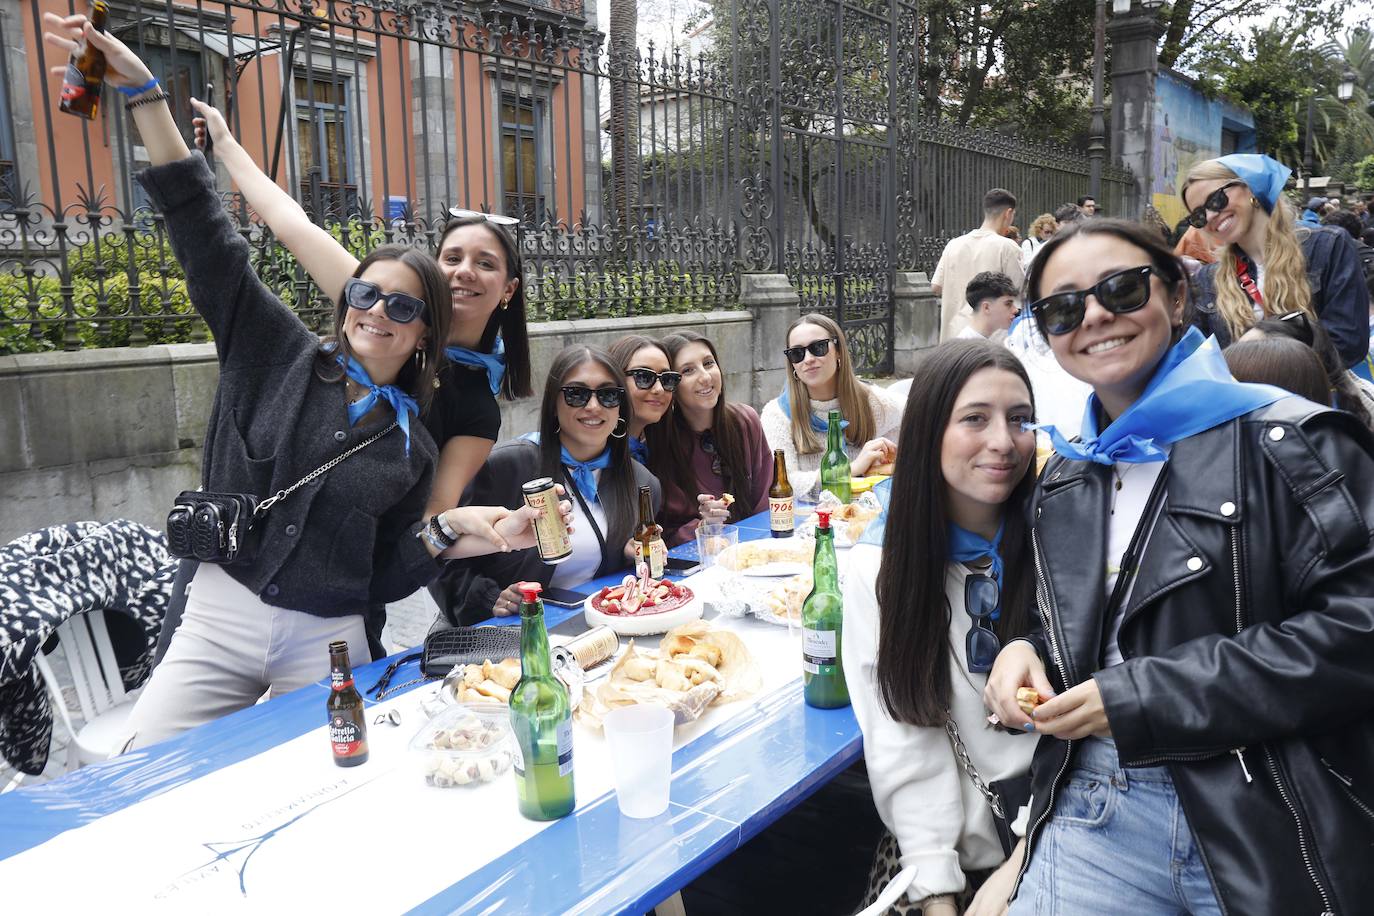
{"x": 466, "y": 744}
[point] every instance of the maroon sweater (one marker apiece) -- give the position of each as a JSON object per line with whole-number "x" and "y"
{"x": 680, "y": 516}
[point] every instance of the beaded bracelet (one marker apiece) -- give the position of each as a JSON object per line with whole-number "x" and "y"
{"x": 131, "y": 91}
{"x": 437, "y": 534}
{"x": 159, "y": 96}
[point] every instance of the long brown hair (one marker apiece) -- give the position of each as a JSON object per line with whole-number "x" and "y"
{"x": 852, "y": 394}
{"x": 671, "y": 440}
{"x": 416, "y": 378}
{"x": 913, "y": 670}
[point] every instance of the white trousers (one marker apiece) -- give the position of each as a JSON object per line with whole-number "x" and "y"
{"x": 230, "y": 649}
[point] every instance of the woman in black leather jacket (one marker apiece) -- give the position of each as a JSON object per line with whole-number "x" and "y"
{"x": 1203, "y": 653}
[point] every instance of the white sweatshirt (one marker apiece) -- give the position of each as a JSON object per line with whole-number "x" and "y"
{"x": 804, "y": 471}
{"x": 942, "y": 823}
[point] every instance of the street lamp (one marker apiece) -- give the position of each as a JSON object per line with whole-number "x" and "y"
{"x": 1345, "y": 91}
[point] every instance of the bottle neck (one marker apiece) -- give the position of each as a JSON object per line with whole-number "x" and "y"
{"x": 832, "y": 437}
{"x": 646, "y": 509}
{"x": 825, "y": 571}
{"x": 340, "y": 673}
{"x": 534, "y": 641}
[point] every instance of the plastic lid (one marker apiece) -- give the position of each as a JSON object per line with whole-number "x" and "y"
{"x": 529, "y": 591}
{"x": 822, "y": 518}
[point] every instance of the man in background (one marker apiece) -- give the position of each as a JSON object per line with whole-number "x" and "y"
{"x": 992, "y": 296}
{"x": 983, "y": 249}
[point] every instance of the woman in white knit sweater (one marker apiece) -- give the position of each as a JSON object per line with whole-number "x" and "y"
{"x": 822, "y": 379}
{"x": 946, "y": 577}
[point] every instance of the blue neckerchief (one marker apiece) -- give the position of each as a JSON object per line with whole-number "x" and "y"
{"x": 1266, "y": 177}
{"x": 494, "y": 362}
{"x": 402, "y": 403}
{"x": 582, "y": 475}
{"x": 817, "y": 424}
{"x": 965, "y": 545}
{"x": 1191, "y": 391}
{"x": 639, "y": 450}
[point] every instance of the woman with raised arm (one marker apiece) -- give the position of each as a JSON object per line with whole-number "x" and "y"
{"x": 1205, "y": 577}
{"x": 822, "y": 379}
{"x": 650, "y": 380}
{"x": 287, "y": 404}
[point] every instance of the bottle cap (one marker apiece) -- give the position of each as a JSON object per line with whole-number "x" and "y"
{"x": 529, "y": 591}
{"x": 822, "y": 518}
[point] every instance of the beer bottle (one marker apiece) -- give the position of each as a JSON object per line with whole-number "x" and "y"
{"x": 541, "y": 717}
{"x": 780, "y": 499}
{"x": 347, "y": 720}
{"x": 85, "y": 74}
{"x": 835, "y": 463}
{"x": 653, "y": 553}
{"x": 822, "y": 620}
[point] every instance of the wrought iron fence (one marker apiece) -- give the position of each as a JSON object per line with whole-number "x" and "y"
{"x": 646, "y": 181}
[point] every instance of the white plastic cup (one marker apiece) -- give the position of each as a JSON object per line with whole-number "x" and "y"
{"x": 641, "y": 742}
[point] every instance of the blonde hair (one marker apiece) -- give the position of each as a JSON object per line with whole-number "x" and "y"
{"x": 1043, "y": 221}
{"x": 1285, "y": 266}
{"x": 851, "y": 393}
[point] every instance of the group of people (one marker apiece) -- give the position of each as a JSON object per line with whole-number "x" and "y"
{"x": 1184, "y": 590}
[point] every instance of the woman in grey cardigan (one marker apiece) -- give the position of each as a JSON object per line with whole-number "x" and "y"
{"x": 286, "y": 404}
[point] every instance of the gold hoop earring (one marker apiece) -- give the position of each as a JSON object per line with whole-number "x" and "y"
{"x": 621, "y": 429}
{"x": 505, "y": 303}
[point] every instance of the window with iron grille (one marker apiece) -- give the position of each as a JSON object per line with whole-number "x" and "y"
{"x": 324, "y": 150}
{"x": 522, "y": 160}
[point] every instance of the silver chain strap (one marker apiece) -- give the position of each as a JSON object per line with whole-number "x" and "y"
{"x": 966, "y": 762}
{"x": 282, "y": 494}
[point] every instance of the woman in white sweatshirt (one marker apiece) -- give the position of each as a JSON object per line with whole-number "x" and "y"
{"x": 946, "y": 586}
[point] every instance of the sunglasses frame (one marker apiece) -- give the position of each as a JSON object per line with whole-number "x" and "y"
{"x": 795, "y": 355}
{"x": 1080, "y": 300}
{"x": 659, "y": 378}
{"x": 576, "y": 391}
{"x": 386, "y": 299}
{"x": 980, "y": 623}
{"x": 499, "y": 219}
{"x": 1197, "y": 217}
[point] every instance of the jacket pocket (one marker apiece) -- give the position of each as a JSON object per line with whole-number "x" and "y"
{"x": 349, "y": 568}
{"x": 234, "y": 461}
{"x": 1347, "y": 784}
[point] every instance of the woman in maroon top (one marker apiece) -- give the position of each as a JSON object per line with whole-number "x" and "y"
{"x": 706, "y": 447}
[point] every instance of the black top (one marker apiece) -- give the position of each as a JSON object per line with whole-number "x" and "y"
{"x": 345, "y": 541}
{"x": 463, "y": 406}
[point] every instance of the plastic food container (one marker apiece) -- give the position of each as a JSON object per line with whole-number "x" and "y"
{"x": 465, "y": 745}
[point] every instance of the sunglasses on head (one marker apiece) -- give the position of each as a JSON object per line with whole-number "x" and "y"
{"x": 579, "y": 395}
{"x": 816, "y": 348}
{"x": 982, "y": 600}
{"x": 401, "y": 308}
{"x": 1217, "y": 201}
{"x": 644, "y": 379}
{"x": 497, "y": 218}
{"x": 1119, "y": 293}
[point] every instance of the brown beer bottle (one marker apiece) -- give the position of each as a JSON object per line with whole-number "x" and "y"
{"x": 347, "y": 720}
{"x": 85, "y": 74}
{"x": 653, "y": 553}
{"x": 780, "y": 499}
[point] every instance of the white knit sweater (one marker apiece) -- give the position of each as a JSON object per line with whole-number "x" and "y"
{"x": 942, "y": 823}
{"x": 803, "y": 471}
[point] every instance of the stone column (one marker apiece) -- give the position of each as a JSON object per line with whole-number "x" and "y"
{"x": 1135, "y": 63}
{"x": 775, "y": 305}
{"x": 915, "y": 320}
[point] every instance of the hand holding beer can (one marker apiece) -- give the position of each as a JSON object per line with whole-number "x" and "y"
{"x": 550, "y": 531}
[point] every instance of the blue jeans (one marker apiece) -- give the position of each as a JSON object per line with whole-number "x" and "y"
{"x": 1118, "y": 842}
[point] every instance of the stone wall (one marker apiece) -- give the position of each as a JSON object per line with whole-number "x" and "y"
{"x": 104, "y": 434}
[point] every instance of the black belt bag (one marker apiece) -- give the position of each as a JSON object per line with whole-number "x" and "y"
{"x": 226, "y": 527}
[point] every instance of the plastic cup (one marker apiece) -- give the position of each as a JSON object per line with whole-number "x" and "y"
{"x": 714, "y": 540}
{"x": 641, "y": 741}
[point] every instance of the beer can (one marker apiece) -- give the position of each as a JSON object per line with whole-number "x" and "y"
{"x": 555, "y": 544}
{"x": 591, "y": 648}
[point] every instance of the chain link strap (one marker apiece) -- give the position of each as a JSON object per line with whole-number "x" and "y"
{"x": 324, "y": 468}
{"x": 961, "y": 753}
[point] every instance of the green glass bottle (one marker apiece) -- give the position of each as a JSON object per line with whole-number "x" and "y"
{"x": 541, "y": 717}
{"x": 822, "y": 621}
{"x": 835, "y": 463}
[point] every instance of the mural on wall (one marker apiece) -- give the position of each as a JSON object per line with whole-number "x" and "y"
{"x": 1188, "y": 129}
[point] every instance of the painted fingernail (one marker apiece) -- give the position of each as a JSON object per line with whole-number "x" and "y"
{"x": 1029, "y": 726}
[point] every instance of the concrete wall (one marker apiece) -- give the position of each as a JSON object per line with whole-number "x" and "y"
{"x": 104, "y": 434}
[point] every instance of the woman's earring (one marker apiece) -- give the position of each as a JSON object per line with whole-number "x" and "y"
{"x": 556, "y": 428}
{"x": 504, "y": 304}
{"x": 621, "y": 428}
{"x": 420, "y": 359}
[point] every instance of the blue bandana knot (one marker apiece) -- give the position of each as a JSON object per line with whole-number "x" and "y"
{"x": 494, "y": 362}
{"x": 403, "y": 404}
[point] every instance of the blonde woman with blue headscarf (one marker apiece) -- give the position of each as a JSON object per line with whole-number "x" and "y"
{"x": 1266, "y": 264}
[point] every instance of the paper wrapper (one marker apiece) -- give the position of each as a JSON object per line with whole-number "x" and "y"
{"x": 739, "y": 678}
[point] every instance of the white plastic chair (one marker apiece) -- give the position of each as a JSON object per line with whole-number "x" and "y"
{"x": 103, "y": 705}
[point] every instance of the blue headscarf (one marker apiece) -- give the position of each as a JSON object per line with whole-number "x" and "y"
{"x": 494, "y": 362}
{"x": 1265, "y": 176}
{"x": 582, "y": 475}
{"x": 1192, "y": 391}
{"x": 817, "y": 424}
{"x": 402, "y": 403}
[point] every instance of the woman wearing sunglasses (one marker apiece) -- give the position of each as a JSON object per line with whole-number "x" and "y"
{"x": 706, "y": 447}
{"x": 582, "y": 443}
{"x": 1205, "y": 624}
{"x": 650, "y": 381}
{"x": 288, "y": 403}
{"x": 1265, "y": 265}
{"x": 927, "y": 605}
{"x": 821, "y": 379}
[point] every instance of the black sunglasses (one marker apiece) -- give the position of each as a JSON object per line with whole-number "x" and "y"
{"x": 1217, "y": 201}
{"x": 982, "y": 599}
{"x": 1119, "y": 293}
{"x": 401, "y": 308}
{"x": 815, "y": 348}
{"x": 579, "y": 395}
{"x": 644, "y": 379}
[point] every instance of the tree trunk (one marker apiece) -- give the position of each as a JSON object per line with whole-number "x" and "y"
{"x": 624, "y": 73}
{"x": 1173, "y": 38}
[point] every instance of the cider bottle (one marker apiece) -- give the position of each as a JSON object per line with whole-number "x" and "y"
{"x": 822, "y": 624}
{"x": 541, "y": 717}
{"x": 653, "y": 553}
{"x": 780, "y": 521}
{"x": 347, "y": 719}
{"x": 835, "y": 462}
{"x": 85, "y": 75}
